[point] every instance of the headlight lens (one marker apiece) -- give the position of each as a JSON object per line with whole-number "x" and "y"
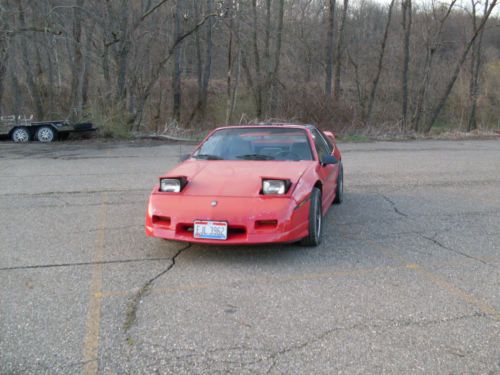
{"x": 278, "y": 187}
{"x": 170, "y": 185}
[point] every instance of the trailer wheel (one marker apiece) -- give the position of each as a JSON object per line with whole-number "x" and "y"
{"x": 45, "y": 134}
{"x": 20, "y": 135}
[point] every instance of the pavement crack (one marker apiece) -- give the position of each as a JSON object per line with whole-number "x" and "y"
{"x": 133, "y": 305}
{"x": 391, "y": 324}
{"x": 393, "y": 205}
{"x": 438, "y": 243}
{"x": 77, "y": 264}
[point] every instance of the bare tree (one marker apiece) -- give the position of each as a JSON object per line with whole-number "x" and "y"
{"x": 373, "y": 92}
{"x": 78, "y": 63}
{"x": 176, "y": 77}
{"x": 329, "y": 47}
{"x": 145, "y": 62}
{"x": 339, "y": 52}
{"x": 406, "y": 11}
{"x": 475, "y": 68}
{"x": 30, "y": 66}
{"x": 442, "y": 100}
{"x": 233, "y": 42}
{"x": 258, "y": 78}
{"x": 431, "y": 46}
{"x": 4, "y": 50}
{"x": 273, "y": 75}
{"x": 204, "y": 66}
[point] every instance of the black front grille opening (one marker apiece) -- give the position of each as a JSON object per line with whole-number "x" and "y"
{"x": 186, "y": 228}
{"x": 161, "y": 220}
{"x": 266, "y": 224}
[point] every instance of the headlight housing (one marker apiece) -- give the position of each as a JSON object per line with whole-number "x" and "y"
{"x": 172, "y": 185}
{"x": 275, "y": 187}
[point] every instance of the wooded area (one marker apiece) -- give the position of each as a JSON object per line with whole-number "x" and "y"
{"x": 142, "y": 65}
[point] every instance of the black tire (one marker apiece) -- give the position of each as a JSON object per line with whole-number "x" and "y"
{"x": 315, "y": 220}
{"x": 46, "y": 134}
{"x": 20, "y": 134}
{"x": 339, "y": 191}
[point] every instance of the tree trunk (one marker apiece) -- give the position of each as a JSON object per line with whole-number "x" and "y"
{"x": 329, "y": 47}
{"x": 207, "y": 69}
{"x": 431, "y": 46}
{"x": 373, "y": 92}
{"x": 456, "y": 71}
{"x": 419, "y": 107}
{"x": 406, "y": 10}
{"x": 30, "y": 78}
{"x": 273, "y": 79}
{"x": 339, "y": 52}
{"x": 4, "y": 51}
{"x": 176, "y": 79}
{"x": 235, "y": 87}
{"x": 77, "y": 68}
{"x": 475, "y": 70}
{"x": 122, "y": 55}
{"x": 18, "y": 100}
{"x": 258, "y": 78}
{"x": 359, "y": 92}
{"x": 87, "y": 64}
{"x": 4, "y": 58}
{"x": 232, "y": 86}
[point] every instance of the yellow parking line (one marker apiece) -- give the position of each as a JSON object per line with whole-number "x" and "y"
{"x": 484, "y": 307}
{"x": 275, "y": 280}
{"x": 91, "y": 342}
{"x": 254, "y": 281}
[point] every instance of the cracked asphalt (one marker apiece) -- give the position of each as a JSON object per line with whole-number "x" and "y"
{"x": 407, "y": 279}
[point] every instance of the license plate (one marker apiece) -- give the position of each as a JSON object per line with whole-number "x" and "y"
{"x": 212, "y": 230}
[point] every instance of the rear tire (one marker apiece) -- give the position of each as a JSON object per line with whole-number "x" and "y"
{"x": 46, "y": 134}
{"x": 315, "y": 220}
{"x": 339, "y": 191}
{"x": 20, "y": 135}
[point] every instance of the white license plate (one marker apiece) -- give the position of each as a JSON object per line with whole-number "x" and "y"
{"x": 212, "y": 230}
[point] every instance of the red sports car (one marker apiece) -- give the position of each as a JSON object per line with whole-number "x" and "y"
{"x": 248, "y": 185}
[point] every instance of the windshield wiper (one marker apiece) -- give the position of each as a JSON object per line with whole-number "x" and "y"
{"x": 208, "y": 157}
{"x": 255, "y": 157}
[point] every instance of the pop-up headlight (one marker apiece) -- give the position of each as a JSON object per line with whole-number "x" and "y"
{"x": 275, "y": 187}
{"x": 172, "y": 185}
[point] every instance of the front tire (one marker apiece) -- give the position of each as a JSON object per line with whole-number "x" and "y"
{"x": 315, "y": 220}
{"x": 20, "y": 135}
{"x": 45, "y": 134}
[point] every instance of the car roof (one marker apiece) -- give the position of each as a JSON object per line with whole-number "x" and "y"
{"x": 269, "y": 125}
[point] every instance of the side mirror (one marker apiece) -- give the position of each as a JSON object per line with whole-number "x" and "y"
{"x": 184, "y": 157}
{"x": 330, "y": 135}
{"x": 328, "y": 160}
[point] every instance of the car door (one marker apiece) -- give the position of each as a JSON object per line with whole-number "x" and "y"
{"x": 327, "y": 173}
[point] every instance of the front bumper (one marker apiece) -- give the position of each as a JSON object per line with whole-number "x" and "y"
{"x": 253, "y": 220}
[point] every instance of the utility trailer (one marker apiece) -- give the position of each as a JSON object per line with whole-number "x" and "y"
{"x": 22, "y": 129}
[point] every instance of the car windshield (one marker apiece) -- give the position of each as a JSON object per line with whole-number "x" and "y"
{"x": 256, "y": 144}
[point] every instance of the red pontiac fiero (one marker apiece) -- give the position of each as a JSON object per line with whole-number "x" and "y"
{"x": 249, "y": 185}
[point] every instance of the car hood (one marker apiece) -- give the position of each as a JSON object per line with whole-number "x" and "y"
{"x": 231, "y": 178}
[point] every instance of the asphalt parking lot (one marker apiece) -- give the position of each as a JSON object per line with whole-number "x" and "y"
{"x": 407, "y": 279}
